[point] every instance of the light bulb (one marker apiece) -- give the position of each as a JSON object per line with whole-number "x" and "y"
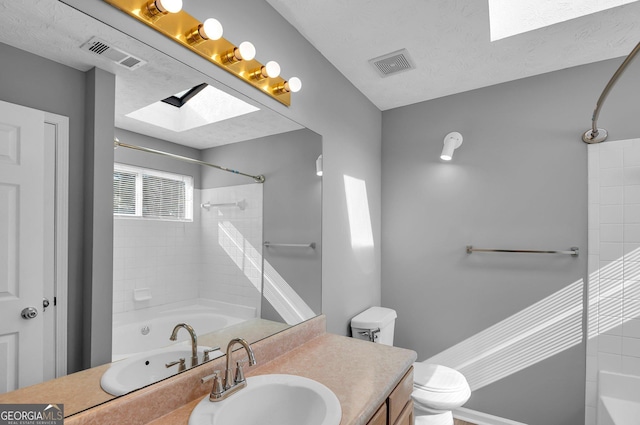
{"x": 246, "y": 51}
{"x": 211, "y": 29}
{"x": 169, "y": 6}
{"x": 272, "y": 69}
{"x": 295, "y": 84}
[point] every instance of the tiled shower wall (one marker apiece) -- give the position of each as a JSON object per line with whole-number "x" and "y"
{"x": 613, "y": 328}
{"x": 231, "y": 245}
{"x": 179, "y": 261}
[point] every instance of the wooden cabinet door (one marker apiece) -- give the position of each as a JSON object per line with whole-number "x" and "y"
{"x": 406, "y": 416}
{"x": 400, "y": 396}
{"x": 380, "y": 417}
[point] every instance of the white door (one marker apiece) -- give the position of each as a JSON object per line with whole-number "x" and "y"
{"x": 22, "y": 241}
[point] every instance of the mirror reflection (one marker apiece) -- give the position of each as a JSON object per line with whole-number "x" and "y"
{"x": 192, "y": 244}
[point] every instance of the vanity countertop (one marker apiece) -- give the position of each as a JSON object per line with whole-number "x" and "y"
{"x": 360, "y": 373}
{"x": 76, "y": 391}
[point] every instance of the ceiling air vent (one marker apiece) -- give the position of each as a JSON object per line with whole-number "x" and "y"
{"x": 102, "y": 48}
{"x": 392, "y": 63}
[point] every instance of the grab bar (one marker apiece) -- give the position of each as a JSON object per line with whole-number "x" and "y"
{"x": 573, "y": 251}
{"x": 239, "y": 204}
{"x": 311, "y": 245}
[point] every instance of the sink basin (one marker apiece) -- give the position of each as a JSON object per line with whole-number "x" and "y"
{"x": 143, "y": 369}
{"x": 272, "y": 399}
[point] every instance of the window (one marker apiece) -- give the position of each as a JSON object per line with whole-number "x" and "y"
{"x": 140, "y": 192}
{"x": 513, "y": 17}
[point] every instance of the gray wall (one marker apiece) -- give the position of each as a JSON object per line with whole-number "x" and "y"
{"x": 292, "y": 203}
{"x": 38, "y": 83}
{"x": 328, "y": 104}
{"x": 518, "y": 181}
{"x": 98, "y": 217}
{"x": 157, "y": 162}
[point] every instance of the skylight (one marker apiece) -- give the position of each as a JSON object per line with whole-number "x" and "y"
{"x": 192, "y": 108}
{"x": 513, "y": 17}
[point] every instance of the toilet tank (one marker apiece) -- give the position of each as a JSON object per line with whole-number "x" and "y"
{"x": 375, "y": 324}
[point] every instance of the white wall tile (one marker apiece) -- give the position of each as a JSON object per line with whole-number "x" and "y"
{"x": 610, "y": 344}
{"x": 631, "y": 176}
{"x": 631, "y": 214}
{"x": 613, "y": 322}
{"x": 611, "y": 195}
{"x": 631, "y": 155}
{"x": 611, "y": 214}
{"x": 610, "y": 362}
{"x": 612, "y": 157}
{"x": 613, "y": 177}
{"x": 610, "y": 251}
{"x": 614, "y": 233}
{"x": 631, "y": 347}
{"x": 631, "y": 328}
{"x": 631, "y": 365}
{"x": 632, "y": 194}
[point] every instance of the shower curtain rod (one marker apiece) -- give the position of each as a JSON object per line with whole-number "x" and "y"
{"x": 597, "y": 135}
{"x": 118, "y": 143}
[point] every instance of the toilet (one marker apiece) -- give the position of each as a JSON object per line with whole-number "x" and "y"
{"x": 437, "y": 389}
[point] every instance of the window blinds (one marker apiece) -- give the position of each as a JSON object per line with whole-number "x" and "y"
{"x": 139, "y": 192}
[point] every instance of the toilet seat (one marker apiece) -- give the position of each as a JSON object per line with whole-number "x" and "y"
{"x": 438, "y": 388}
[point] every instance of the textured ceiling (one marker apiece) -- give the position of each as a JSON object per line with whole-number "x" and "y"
{"x": 56, "y": 31}
{"x": 449, "y": 41}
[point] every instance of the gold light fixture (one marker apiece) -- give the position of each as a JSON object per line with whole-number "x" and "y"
{"x": 205, "y": 39}
{"x": 210, "y": 29}
{"x": 270, "y": 70}
{"x": 156, "y": 9}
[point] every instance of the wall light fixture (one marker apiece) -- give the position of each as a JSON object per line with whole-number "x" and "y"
{"x": 319, "y": 165}
{"x": 205, "y": 39}
{"x": 452, "y": 141}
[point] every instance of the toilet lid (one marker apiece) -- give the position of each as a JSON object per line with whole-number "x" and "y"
{"x": 438, "y": 378}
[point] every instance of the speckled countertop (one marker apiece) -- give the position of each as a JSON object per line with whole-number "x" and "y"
{"x": 81, "y": 390}
{"x": 361, "y": 374}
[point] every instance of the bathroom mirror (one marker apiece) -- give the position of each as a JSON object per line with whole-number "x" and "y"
{"x": 258, "y": 143}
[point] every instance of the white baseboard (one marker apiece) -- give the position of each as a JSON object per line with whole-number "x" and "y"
{"x": 480, "y": 418}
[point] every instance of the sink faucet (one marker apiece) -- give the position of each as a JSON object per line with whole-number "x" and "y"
{"x": 194, "y": 341}
{"x": 223, "y": 389}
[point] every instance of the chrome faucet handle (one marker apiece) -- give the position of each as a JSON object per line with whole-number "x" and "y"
{"x": 207, "y": 351}
{"x": 180, "y": 362}
{"x": 208, "y": 378}
{"x": 239, "y": 373}
{"x": 216, "y": 389}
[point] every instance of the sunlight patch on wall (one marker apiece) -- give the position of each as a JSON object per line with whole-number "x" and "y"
{"x": 513, "y": 17}
{"x": 538, "y": 332}
{"x": 358, "y": 209}
{"x": 284, "y": 299}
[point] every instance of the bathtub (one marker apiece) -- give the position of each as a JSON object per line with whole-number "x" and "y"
{"x": 148, "y": 329}
{"x": 618, "y": 399}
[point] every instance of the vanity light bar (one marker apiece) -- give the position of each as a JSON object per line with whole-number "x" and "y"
{"x": 183, "y": 29}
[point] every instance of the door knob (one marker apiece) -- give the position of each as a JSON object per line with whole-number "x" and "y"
{"x": 45, "y": 304}
{"x": 29, "y": 312}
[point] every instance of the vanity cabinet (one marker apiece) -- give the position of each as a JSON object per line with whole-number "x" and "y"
{"x": 398, "y": 408}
